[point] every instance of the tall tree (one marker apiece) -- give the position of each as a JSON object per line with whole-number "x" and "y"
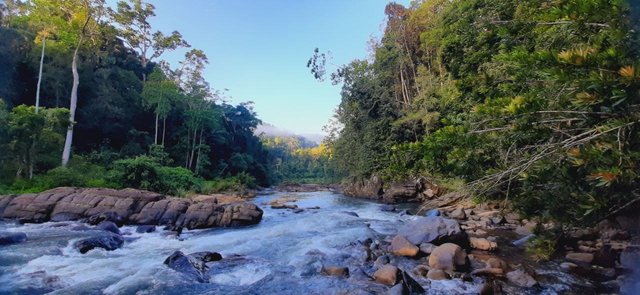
{"x": 78, "y": 21}
{"x": 136, "y": 31}
{"x": 159, "y": 93}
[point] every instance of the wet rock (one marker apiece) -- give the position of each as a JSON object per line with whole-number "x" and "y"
{"x": 427, "y": 248}
{"x": 448, "y": 257}
{"x": 188, "y": 266}
{"x": 106, "y": 216}
{"x": 568, "y": 266}
{"x": 65, "y": 217}
{"x": 521, "y": 278}
{"x": 387, "y": 208}
{"x": 336, "y": 271}
{"x": 145, "y": 229}
{"x": 299, "y": 210}
{"x": 108, "y": 241}
{"x": 435, "y": 230}
{"x": 108, "y": 226}
{"x": 207, "y": 215}
{"x": 396, "y": 290}
{"x": 206, "y": 256}
{"x": 580, "y": 258}
{"x": 458, "y": 214}
{"x": 437, "y": 274}
{"x": 432, "y": 213}
{"x": 387, "y": 275}
{"x": 483, "y": 244}
{"x": 401, "y": 247}
{"x": 12, "y": 238}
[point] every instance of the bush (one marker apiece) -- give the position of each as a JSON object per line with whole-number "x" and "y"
{"x": 143, "y": 172}
{"x": 237, "y": 183}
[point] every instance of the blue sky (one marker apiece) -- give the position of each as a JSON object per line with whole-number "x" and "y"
{"x": 258, "y": 49}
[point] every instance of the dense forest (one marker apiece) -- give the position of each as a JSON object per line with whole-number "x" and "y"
{"x": 532, "y": 101}
{"x": 86, "y": 100}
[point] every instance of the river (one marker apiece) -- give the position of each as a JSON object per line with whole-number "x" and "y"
{"x": 283, "y": 254}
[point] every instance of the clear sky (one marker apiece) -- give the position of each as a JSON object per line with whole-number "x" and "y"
{"x": 258, "y": 49}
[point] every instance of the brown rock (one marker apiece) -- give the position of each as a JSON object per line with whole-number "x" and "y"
{"x": 387, "y": 275}
{"x": 427, "y": 248}
{"x": 458, "y": 214}
{"x": 401, "y": 247}
{"x": 336, "y": 271}
{"x": 584, "y": 258}
{"x": 482, "y": 244}
{"x": 447, "y": 256}
{"x": 437, "y": 274}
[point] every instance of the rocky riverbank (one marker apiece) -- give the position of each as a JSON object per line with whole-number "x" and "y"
{"x": 127, "y": 206}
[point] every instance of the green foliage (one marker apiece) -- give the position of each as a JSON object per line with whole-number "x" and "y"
{"x": 144, "y": 172}
{"x": 534, "y": 100}
{"x": 238, "y": 183}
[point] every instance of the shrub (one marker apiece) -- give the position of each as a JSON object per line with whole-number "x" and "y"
{"x": 143, "y": 172}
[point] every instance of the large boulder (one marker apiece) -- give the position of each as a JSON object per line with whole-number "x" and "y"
{"x": 108, "y": 241}
{"x": 401, "y": 192}
{"x": 206, "y": 215}
{"x": 433, "y": 229}
{"x": 447, "y": 257}
{"x": 401, "y": 247}
{"x": 108, "y": 226}
{"x": 364, "y": 188}
{"x": 12, "y": 238}
{"x": 190, "y": 267}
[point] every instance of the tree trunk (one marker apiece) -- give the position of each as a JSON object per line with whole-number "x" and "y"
{"x": 155, "y": 138}
{"x": 44, "y": 42}
{"x": 66, "y": 153}
{"x": 164, "y": 126}
{"x": 193, "y": 147}
{"x": 198, "y": 156}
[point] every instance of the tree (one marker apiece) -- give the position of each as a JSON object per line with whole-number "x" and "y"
{"x": 137, "y": 32}
{"x": 160, "y": 93}
{"x": 79, "y": 20}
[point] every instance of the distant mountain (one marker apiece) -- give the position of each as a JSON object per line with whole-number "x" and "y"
{"x": 309, "y": 140}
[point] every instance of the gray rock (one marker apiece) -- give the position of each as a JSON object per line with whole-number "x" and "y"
{"x": 521, "y": 278}
{"x": 145, "y": 229}
{"x": 108, "y": 226}
{"x": 12, "y": 238}
{"x": 188, "y": 266}
{"x": 108, "y": 241}
{"x": 435, "y": 230}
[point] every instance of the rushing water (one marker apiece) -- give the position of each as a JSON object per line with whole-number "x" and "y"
{"x": 283, "y": 254}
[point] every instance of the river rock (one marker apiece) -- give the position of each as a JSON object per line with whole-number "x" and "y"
{"x": 527, "y": 229}
{"x": 335, "y": 271}
{"x": 580, "y": 258}
{"x": 108, "y": 226}
{"x": 427, "y": 248}
{"x": 458, "y": 214}
{"x": 145, "y": 229}
{"x": 387, "y": 275}
{"x": 188, "y": 266}
{"x": 410, "y": 285}
{"x": 104, "y": 216}
{"x": 448, "y": 257}
{"x": 521, "y": 278}
{"x": 401, "y": 247}
{"x": 351, "y": 213}
{"x": 482, "y": 244}
{"x": 108, "y": 241}
{"x": 437, "y": 274}
{"x": 206, "y": 256}
{"x": 435, "y": 230}
{"x": 12, "y": 238}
